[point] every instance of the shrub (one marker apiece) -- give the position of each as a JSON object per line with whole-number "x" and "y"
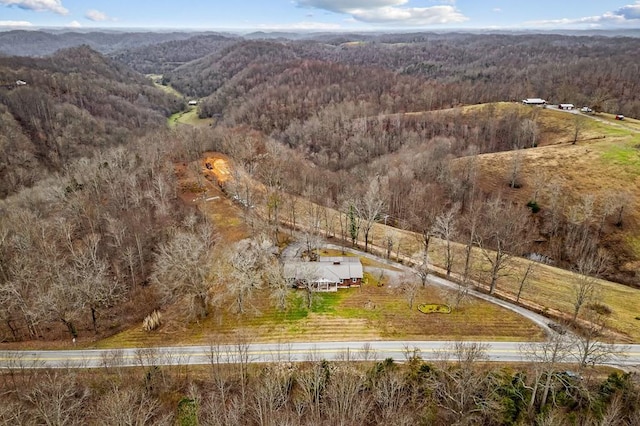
{"x": 152, "y": 321}
{"x": 431, "y": 308}
{"x": 600, "y": 308}
{"x": 533, "y": 205}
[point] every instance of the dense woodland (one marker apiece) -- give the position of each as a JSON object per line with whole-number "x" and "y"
{"x": 92, "y": 227}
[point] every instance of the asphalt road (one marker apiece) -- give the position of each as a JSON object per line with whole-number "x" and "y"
{"x": 261, "y": 353}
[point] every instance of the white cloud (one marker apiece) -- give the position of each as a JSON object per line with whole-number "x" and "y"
{"x": 38, "y": 5}
{"x": 96, "y": 16}
{"x": 626, "y": 15}
{"x": 74, "y": 24}
{"x": 345, "y": 6}
{"x": 411, "y": 15}
{"x": 389, "y": 11}
{"x": 497, "y": 9}
{"x": 15, "y": 24}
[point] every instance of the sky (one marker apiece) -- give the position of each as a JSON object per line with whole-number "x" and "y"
{"x": 321, "y": 15}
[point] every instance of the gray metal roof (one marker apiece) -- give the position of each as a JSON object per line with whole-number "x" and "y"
{"x": 326, "y": 269}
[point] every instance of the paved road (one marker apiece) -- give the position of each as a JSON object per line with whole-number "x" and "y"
{"x": 291, "y": 352}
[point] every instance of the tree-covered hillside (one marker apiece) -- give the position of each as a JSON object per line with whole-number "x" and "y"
{"x": 73, "y": 102}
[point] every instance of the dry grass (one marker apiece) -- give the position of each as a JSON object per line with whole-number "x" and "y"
{"x": 189, "y": 118}
{"x": 367, "y": 313}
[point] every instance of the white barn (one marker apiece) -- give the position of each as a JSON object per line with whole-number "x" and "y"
{"x": 534, "y": 101}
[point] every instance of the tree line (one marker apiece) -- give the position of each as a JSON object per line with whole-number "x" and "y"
{"x": 459, "y": 388}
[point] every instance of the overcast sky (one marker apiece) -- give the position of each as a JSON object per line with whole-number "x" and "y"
{"x": 321, "y": 15}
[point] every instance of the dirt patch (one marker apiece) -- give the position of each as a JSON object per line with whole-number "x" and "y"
{"x": 217, "y": 166}
{"x": 201, "y": 186}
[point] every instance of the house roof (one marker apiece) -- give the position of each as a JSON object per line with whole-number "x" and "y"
{"x": 326, "y": 269}
{"x": 534, "y": 101}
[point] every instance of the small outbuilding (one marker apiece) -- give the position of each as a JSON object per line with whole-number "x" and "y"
{"x": 534, "y": 101}
{"x": 193, "y": 103}
{"x": 566, "y": 106}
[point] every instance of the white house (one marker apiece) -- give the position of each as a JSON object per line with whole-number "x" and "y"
{"x": 193, "y": 103}
{"x": 566, "y": 106}
{"x": 326, "y": 274}
{"x": 534, "y": 101}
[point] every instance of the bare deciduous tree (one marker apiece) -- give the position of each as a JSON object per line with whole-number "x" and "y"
{"x": 460, "y": 387}
{"x": 243, "y": 273}
{"x": 501, "y": 236}
{"x": 57, "y": 399}
{"x": 590, "y": 349}
{"x": 444, "y": 227}
{"x": 524, "y": 278}
{"x": 369, "y": 208}
{"x": 277, "y": 284}
{"x": 585, "y": 287}
{"x": 410, "y": 287}
{"x": 183, "y": 267}
{"x": 127, "y": 406}
{"x": 546, "y": 357}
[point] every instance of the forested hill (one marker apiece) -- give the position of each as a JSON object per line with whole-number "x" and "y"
{"x": 72, "y": 103}
{"x": 41, "y": 43}
{"x": 163, "y": 57}
{"x": 468, "y": 68}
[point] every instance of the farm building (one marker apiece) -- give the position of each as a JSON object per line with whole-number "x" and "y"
{"x": 193, "y": 103}
{"x": 566, "y": 106}
{"x": 326, "y": 274}
{"x": 534, "y": 101}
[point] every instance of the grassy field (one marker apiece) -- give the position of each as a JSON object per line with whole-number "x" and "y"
{"x": 371, "y": 312}
{"x": 189, "y": 117}
{"x": 157, "y": 78}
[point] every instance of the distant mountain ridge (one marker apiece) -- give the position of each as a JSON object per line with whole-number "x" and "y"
{"x": 41, "y": 43}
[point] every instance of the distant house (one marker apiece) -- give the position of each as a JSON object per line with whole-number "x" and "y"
{"x": 566, "y": 106}
{"x": 534, "y": 101}
{"x": 327, "y": 274}
{"x": 193, "y": 103}
{"x": 21, "y": 83}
